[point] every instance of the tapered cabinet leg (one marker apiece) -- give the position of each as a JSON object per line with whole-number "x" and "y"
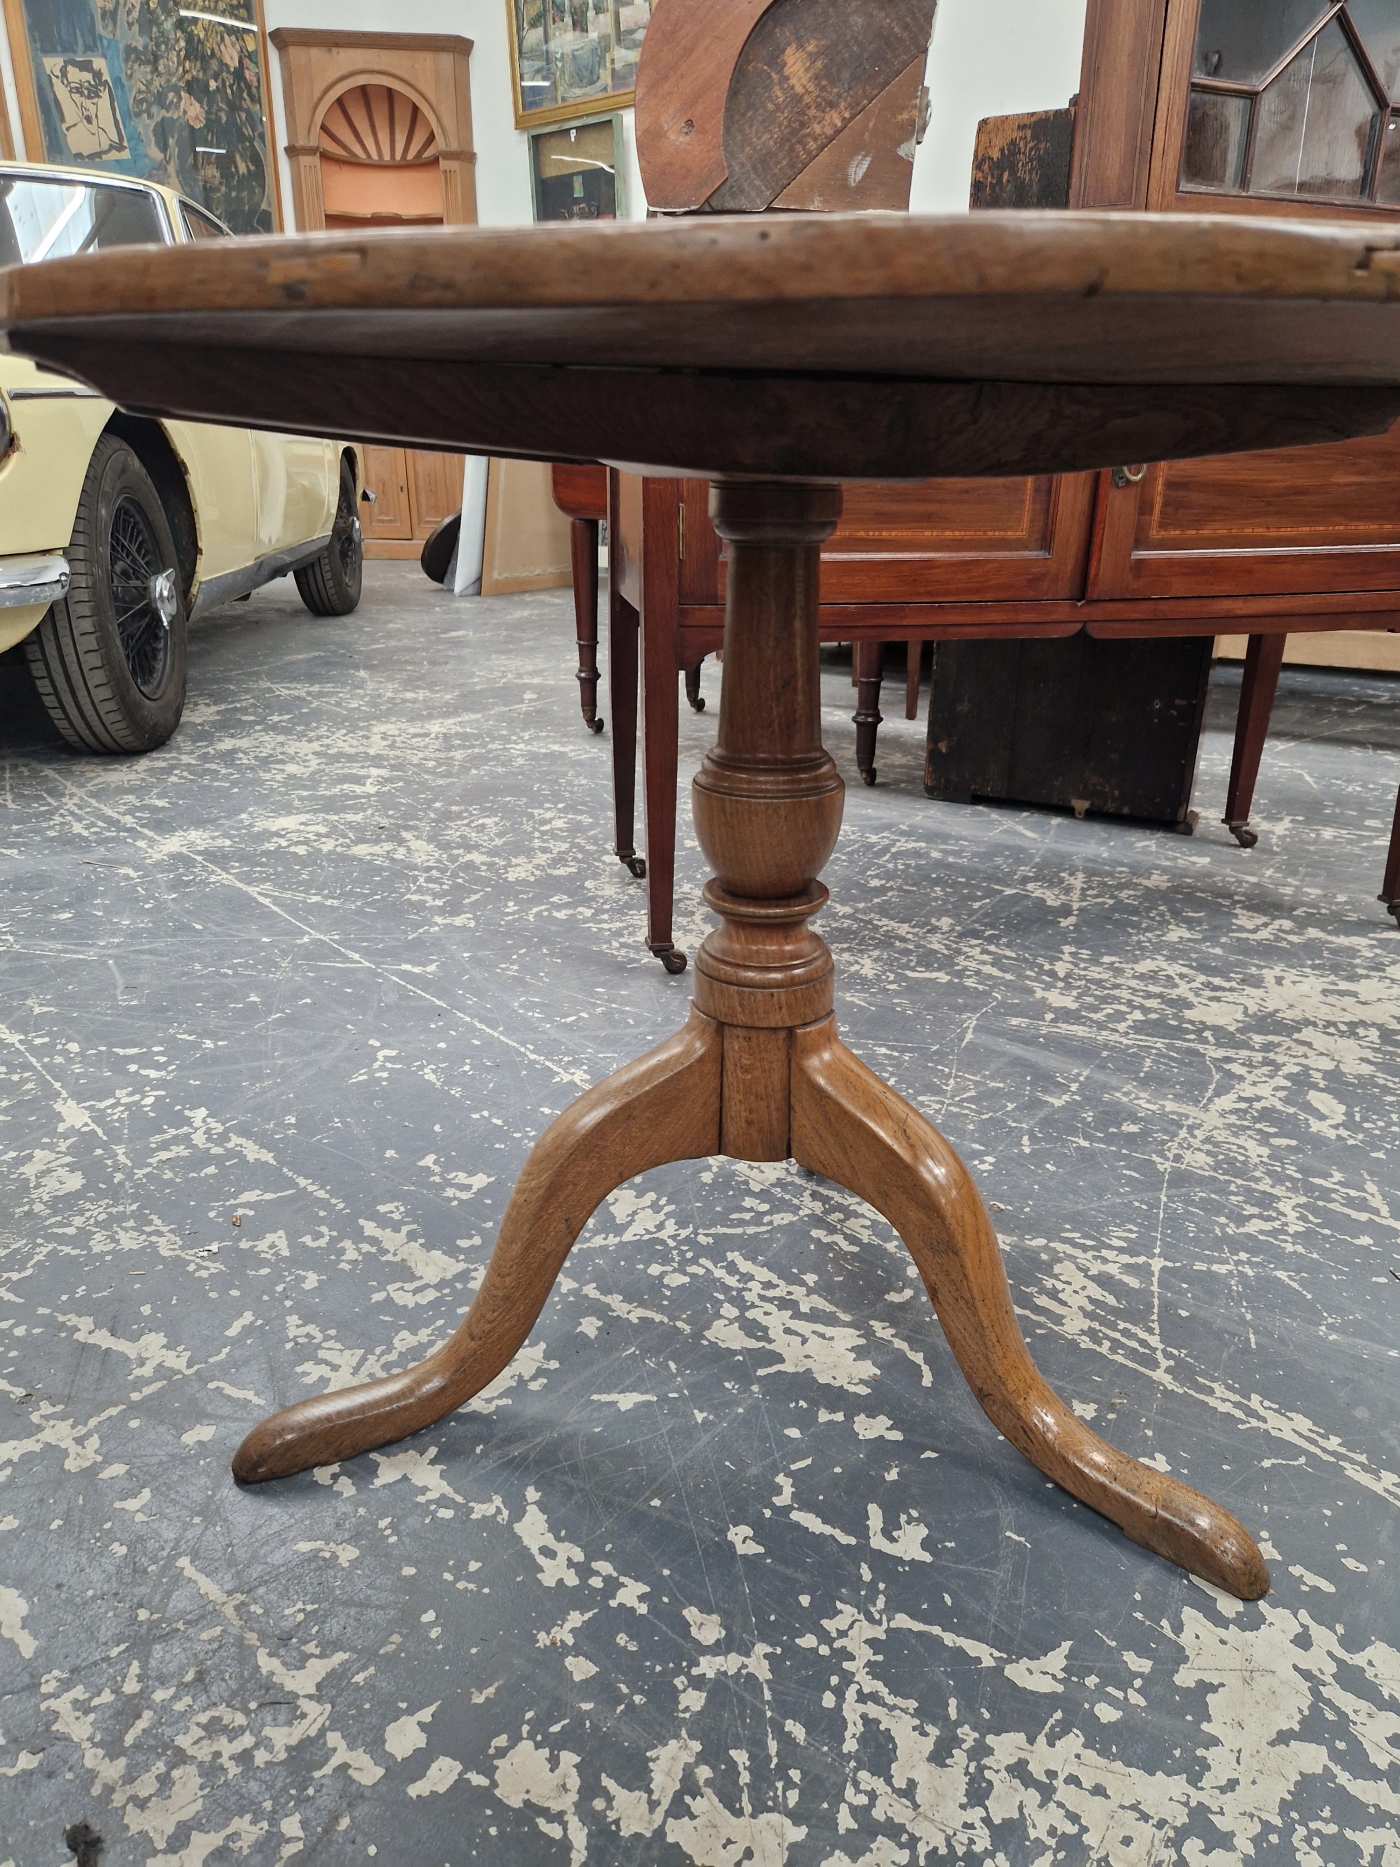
{"x": 660, "y": 730}
{"x": 913, "y": 675}
{"x": 661, "y": 1108}
{"x": 583, "y": 557}
{"x": 1390, "y": 887}
{"x": 623, "y": 627}
{"x": 1262, "y": 661}
{"x": 851, "y": 1127}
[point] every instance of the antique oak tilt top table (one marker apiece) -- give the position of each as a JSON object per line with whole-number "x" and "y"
{"x": 775, "y": 357}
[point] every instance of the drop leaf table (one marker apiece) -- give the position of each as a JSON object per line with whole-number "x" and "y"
{"x": 774, "y": 358}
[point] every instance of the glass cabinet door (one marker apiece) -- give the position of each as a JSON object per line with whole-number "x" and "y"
{"x": 1295, "y": 99}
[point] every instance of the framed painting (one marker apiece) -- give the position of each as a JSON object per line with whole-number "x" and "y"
{"x": 576, "y": 170}
{"x": 174, "y": 94}
{"x": 574, "y": 58}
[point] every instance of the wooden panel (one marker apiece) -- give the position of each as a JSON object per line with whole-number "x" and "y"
{"x": 432, "y": 69}
{"x": 1104, "y": 726}
{"x": 688, "y": 57}
{"x": 580, "y": 491}
{"x": 871, "y": 163}
{"x": 960, "y": 540}
{"x": 701, "y": 552}
{"x": 625, "y": 535}
{"x": 386, "y": 476}
{"x": 1257, "y": 524}
{"x": 1118, "y": 102}
{"x": 527, "y": 543}
{"x": 1023, "y": 160}
{"x": 934, "y": 541}
{"x": 802, "y": 75}
{"x": 434, "y": 489}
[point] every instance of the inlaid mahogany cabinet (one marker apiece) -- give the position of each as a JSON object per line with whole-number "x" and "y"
{"x": 1288, "y": 107}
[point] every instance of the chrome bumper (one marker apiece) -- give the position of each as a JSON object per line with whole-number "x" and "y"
{"x": 32, "y": 580}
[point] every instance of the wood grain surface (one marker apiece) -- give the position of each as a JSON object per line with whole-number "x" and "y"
{"x": 804, "y": 72}
{"x": 712, "y": 423}
{"x": 846, "y": 347}
{"x": 688, "y": 57}
{"x": 870, "y": 163}
{"x": 1034, "y": 295}
{"x": 853, "y": 1128}
{"x": 663, "y": 1107}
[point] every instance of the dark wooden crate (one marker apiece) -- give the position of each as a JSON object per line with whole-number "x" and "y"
{"x": 1083, "y": 724}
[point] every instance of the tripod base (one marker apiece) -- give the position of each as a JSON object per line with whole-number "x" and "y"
{"x": 758, "y": 1073}
{"x": 845, "y": 1123}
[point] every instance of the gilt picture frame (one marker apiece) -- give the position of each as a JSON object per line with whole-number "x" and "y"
{"x": 573, "y": 58}
{"x": 173, "y": 94}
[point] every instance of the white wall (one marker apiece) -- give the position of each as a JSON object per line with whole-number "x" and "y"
{"x": 989, "y": 58}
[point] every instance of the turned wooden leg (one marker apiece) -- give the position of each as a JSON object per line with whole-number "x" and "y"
{"x": 1262, "y": 661}
{"x": 622, "y": 691}
{"x": 663, "y": 1107}
{"x": 914, "y": 651}
{"x": 583, "y": 555}
{"x": 870, "y": 672}
{"x": 692, "y": 688}
{"x": 1390, "y": 887}
{"x": 851, "y": 1127}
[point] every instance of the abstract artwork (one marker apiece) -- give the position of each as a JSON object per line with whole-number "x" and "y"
{"x": 175, "y": 94}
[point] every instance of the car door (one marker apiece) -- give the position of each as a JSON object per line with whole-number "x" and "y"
{"x": 292, "y": 477}
{"x": 218, "y": 462}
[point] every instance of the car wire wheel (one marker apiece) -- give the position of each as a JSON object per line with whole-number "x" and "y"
{"x": 109, "y": 659}
{"x": 345, "y": 535}
{"x": 143, "y": 595}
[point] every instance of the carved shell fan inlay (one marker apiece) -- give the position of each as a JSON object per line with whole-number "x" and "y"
{"x": 375, "y": 123}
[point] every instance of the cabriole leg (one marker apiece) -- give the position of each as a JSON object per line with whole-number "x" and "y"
{"x": 853, "y": 1128}
{"x": 661, "y": 1108}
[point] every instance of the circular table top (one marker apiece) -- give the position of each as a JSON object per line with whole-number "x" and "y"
{"x": 823, "y": 346}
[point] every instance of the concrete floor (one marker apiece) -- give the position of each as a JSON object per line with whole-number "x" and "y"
{"x": 728, "y": 1567}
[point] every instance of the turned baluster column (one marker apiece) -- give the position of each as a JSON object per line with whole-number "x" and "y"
{"x": 767, "y": 803}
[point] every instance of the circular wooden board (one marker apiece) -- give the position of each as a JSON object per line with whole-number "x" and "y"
{"x": 844, "y": 347}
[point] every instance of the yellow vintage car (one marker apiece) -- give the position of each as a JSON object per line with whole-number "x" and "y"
{"x": 115, "y": 530}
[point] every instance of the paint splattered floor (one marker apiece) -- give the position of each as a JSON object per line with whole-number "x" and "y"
{"x": 728, "y": 1567}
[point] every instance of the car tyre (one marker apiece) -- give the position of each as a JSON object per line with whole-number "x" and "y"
{"x": 109, "y": 659}
{"x": 330, "y": 584}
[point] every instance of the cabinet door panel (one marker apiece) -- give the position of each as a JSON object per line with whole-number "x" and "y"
{"x": 937, "y": 541}
{"x": 1318, "y": 518}
{"x": 434, "y": 489}
{"x": 966, "y": 541}
{"x": 385, "y": 472}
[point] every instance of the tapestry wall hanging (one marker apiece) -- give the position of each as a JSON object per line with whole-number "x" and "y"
{"x": 174, "y": 94}
{"x": 571, "y": 57}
